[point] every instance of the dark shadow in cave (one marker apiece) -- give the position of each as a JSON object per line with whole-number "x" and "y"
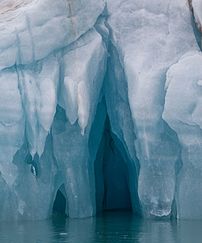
{"x": 59, "y": 205}
{"x": 111, "y": 175}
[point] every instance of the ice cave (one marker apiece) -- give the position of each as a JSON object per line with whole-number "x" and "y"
{"x": 100, "y": 105}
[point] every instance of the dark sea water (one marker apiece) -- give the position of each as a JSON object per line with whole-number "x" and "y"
{"x": 111, "y": 227}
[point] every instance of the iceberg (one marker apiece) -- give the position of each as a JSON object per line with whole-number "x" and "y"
{"x": 100, "y": 105}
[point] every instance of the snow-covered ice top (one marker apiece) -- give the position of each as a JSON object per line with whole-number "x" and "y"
{"x": 30, "y": 30}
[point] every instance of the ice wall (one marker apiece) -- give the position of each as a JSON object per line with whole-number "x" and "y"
{"x": 51, "y": 81}
{"x": 68, "y": 68}
{"x": 182, "y": 112}
{"x": 157, "y": 34}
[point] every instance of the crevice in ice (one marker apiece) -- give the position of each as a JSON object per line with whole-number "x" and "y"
{"x": 196, "y": 31}
{"x": 111, "y": 175}
{"x": 60, "y": 203}
{"x": 120, "y": 115}
{"x": 34, "y": 163}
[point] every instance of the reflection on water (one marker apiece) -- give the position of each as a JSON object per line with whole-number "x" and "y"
{"x": 110, "y": 228}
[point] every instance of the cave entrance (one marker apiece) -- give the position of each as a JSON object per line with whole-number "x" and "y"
{"x": 60, "y": 202}
{"x": 111, "y": 175}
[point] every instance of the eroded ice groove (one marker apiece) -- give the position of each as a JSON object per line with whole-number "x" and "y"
{"x": 155, "y": 33}
{"x": 38, "y": 86}
{"x": 182, "y": 111}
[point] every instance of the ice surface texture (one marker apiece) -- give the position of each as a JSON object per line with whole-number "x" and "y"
{"x": 102, "y": 101}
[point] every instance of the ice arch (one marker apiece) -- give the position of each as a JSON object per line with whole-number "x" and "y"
{"x": 60, "y": 202}
{"x": 111, "y": 175}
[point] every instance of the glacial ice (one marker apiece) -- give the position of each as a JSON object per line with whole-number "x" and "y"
{"x": 31, "y": 31}
{"x": 100, "y": 102}
{"x": 182, "y": 111}
{"x": 155, "y": 35}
